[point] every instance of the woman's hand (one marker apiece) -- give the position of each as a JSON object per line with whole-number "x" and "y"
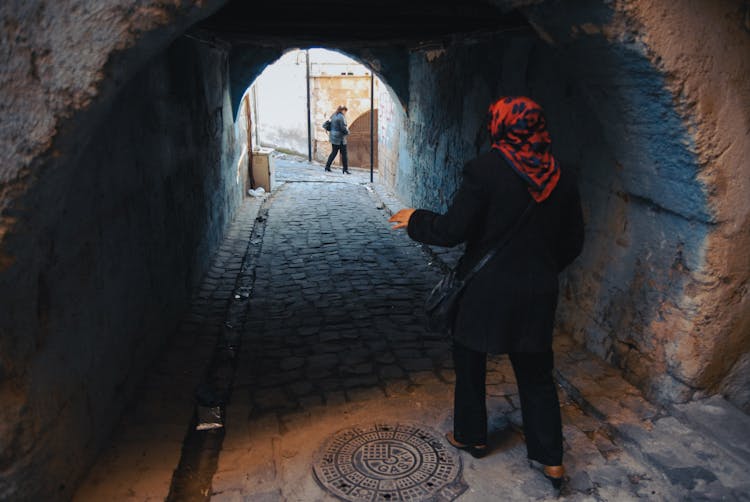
{"x": 401, "y": 218}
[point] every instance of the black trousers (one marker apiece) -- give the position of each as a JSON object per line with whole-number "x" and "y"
{"x": 540, "y": 406}
{"x": 344, "y": 157}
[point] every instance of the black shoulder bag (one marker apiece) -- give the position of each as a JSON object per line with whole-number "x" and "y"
{"x": 442, "y": 302}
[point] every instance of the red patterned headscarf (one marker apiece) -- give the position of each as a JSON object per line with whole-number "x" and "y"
{"x": 518, "y": 130}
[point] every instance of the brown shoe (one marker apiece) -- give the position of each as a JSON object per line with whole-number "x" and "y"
{"x": 476, "y": 451}
{"x": 555, "y": 474}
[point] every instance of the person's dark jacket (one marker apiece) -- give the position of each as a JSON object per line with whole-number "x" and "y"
{"x": 509, "y": 306}
{"x": 339, "y": 130}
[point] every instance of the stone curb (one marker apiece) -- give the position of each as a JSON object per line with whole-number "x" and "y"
{"x": 694, "y": 461}
{"x": 717, "y": 418}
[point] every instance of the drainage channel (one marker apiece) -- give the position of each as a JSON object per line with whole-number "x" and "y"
{"x": 203, "y": 441}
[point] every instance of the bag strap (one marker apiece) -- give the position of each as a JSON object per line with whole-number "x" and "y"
{"x": 506, "y": 238}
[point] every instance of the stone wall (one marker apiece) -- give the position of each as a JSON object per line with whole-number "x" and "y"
{"x": 391, "y": 123}
{"x": 667, "y": 87}
{"x": 451, "y": 87}
{"x": 106, "y": 246}
{"x": 703, "y": 51}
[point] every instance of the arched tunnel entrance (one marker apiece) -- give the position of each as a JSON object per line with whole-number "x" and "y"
{"x": 287, "y": 104}
{"x": 119, "y": 181}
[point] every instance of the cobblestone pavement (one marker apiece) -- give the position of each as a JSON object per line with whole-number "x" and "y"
{"x": 332, "y": 336}
{"x": 335, "y": 338}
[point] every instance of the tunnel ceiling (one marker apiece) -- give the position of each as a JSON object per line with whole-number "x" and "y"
{"x": 380, "y": 35}
{"x": 300, "y": 22}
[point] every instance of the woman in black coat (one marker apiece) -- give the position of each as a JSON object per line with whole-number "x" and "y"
{"x": 509, "y": 305}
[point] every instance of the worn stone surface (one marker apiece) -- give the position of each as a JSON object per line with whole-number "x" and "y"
{"x": 139, "y": 460}
{"x": 639, "y": 130}
{"x": 705, "y": 75}
{"x": 64, "y": 366}
{"x": 617, "y": 445}
{"x": 108, "y": 250}
{"x": 270, "y": 449}
{"x": 649, "y": 117}
{"x": 662, "y": 297}
{"x": 598, "y": 123}
{"x": 702, "y": 454}
{"x": 56, "y": 58}
{"x": 720, "y": 420}
{"x": 641, "y": 150}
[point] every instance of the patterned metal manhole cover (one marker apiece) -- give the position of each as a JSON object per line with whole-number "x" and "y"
{"x": 389, "y": 463}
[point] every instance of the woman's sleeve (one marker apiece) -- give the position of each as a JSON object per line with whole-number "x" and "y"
{"x": 459, "y": 222}
{"x": 341, "y": 124}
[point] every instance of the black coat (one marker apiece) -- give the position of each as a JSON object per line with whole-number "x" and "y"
{"x": 509, "y": 306}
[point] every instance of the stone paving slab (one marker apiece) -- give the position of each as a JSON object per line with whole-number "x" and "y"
{"x": 697, "y": 462}
{"x": 290, "y": 168}
{"x": 722, "y": 421}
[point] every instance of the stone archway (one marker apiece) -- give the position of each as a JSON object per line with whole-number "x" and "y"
{"x": 661, "y": 291}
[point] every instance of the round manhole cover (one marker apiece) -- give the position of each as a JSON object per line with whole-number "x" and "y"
{"x": 387, "y": 463}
